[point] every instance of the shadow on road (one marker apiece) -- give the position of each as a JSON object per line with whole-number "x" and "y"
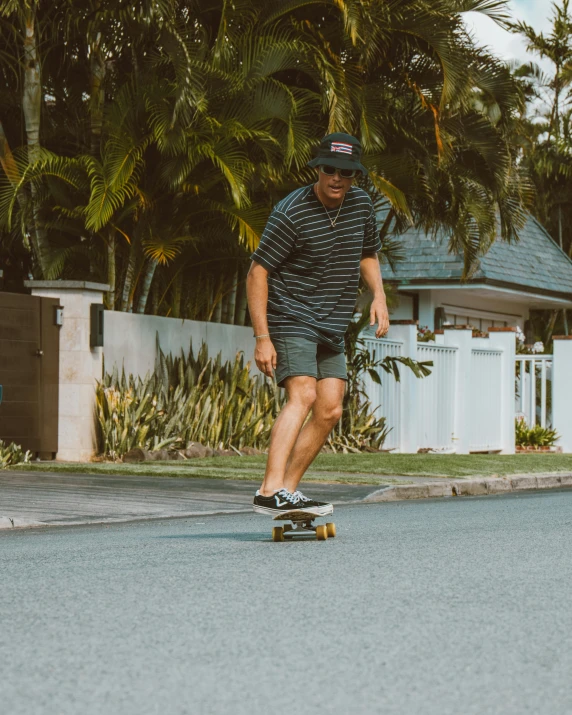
{"x": 256, "y": 536}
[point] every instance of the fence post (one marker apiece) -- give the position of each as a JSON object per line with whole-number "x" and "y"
{"x": 405, "y": 331}
{"x": 505, "y": 339}
{"x": 461, "y": 336}
{"x": 562, "y": 390}
{"x": 81, "y": 364}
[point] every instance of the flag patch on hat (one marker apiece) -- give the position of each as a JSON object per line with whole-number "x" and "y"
{"x": 341, "y": 148}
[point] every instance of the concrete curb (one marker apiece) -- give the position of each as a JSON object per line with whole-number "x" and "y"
{"x": 474, "y": 487}
{"x": 7, "y": 522}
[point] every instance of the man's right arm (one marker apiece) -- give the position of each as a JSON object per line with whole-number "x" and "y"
{"x": 257, "y": 294}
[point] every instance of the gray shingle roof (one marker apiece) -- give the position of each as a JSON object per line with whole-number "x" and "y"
{"x": 534, "y": 263}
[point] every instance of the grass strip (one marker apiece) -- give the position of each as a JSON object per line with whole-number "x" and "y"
{"x": 354, "y": 468}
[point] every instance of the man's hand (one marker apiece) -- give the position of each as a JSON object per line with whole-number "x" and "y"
{"x": 265, "y": 356}
{"x": 378, "y": 314}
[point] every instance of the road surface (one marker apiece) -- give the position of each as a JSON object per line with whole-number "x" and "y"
{"x": 457, "y": 606}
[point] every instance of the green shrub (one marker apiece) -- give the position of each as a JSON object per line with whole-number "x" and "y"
{"x": 187, "y": 399}
{"x": 535, "y": 436}
{"x": 200, "y": 399}
{"x": 11, "y": 454}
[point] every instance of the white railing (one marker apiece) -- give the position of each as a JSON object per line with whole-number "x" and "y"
{"x": 533, "y": 375}
{"x": 387, "y": 395}
{"x": 436, "y": 397}
{"x": 486, "y": 385}
{"x": 467, "y": 402}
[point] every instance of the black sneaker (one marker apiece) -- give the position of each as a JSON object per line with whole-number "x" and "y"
{"x": 279, "y": 503}
{"x": 320, "y": 508}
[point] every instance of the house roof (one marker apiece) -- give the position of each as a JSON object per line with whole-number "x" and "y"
{"x": 533, "y": 264}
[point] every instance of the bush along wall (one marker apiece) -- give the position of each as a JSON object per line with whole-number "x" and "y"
{"x": 196, "y": 399}
{"x": 12, "y": 454}
{"x": 186, "y": 400}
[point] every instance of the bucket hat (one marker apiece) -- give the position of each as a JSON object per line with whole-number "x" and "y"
{"x": 340, "y": 150}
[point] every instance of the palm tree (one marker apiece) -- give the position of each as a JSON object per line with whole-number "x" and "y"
{"x": 546, "y": 137}
{"x": 174, "y": 124}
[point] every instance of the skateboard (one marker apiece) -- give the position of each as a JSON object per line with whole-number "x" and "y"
{"x": 302, "y": 524}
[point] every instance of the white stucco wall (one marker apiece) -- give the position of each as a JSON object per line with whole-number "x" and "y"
{"x": 130, "y": 340}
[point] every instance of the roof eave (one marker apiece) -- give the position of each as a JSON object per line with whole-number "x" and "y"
{"x": 428, "y": 283}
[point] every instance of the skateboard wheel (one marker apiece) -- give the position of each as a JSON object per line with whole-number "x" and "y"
{"x": 331, "y": 529}
{"x": 277, "y": 533}
{"x": 287, "y": 527}
{"x": 321, "y": 532}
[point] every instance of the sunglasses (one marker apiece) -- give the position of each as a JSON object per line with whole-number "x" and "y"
{"x": 344, "y": 173}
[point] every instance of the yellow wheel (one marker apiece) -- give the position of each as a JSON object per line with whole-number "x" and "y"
{"x": 287, "y": 527}
{"x": 277, "y": 533}
{"x": 321, "y": 532}
{"x": 331, "y": 529}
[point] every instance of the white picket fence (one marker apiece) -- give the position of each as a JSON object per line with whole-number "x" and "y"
{"x": 465, "y": 405}
{"x": 470, "y": 400}
{"x": 533, "y": 388}
{"x": 436, "y": 411}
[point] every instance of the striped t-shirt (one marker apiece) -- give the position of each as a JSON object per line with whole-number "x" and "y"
{"x": 314, "y": 268}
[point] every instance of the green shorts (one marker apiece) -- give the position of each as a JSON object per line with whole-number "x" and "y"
{"x": 300, "y": 356}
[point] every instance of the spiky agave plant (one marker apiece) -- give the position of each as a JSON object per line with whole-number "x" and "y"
{"x": 186, "y": 399}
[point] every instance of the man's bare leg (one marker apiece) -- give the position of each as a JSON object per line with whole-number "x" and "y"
{"x": 326, "y": 412}
{"x": 301, "y": 394}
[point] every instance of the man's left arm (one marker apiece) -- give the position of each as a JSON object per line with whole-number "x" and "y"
{"x": 371, "y": 273}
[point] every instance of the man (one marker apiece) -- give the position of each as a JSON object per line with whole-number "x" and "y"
{"x": 302, "y": 288}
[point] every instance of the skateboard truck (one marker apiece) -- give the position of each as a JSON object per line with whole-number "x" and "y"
{"x": 301, "y": 525}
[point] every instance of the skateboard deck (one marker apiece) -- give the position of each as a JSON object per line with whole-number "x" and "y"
{"x": 302, "y": 524}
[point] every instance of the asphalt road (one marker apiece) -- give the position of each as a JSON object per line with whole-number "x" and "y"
{"x": 457, "y": 606}
{"x": 46, "y": 498}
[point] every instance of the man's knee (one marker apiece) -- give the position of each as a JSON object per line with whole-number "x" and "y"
{"x": 302, "y": 392}
{"x": 330, "y": 413}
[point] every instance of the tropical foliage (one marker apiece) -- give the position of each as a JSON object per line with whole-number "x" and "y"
{"x": 12, "y": 454}
{"x": 186, "y": 400}
{"x": 535, "y": 436}
{"x": 197, "y": 399}
{"x": 545, "y": 137}
{"x": 143, "y": 144}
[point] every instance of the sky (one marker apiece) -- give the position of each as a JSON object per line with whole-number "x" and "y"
{"x": 506, "y": 45}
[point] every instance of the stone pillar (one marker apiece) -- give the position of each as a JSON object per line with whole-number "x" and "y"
{"x": 505, "y": 339}
{"x": 562, "y": 390}
{"x": 80, "y": 365}
{"x": 461, "y": 336}
{"x": 405, "y": 331}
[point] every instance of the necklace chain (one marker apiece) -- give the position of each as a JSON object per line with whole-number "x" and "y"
{"x": 333, "y": 222}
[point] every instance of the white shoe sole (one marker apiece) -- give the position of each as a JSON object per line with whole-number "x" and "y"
{"x": 322, "y": 510}
{"x": 273, "y": 512}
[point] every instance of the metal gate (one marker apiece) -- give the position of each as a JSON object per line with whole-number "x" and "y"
{"x": 29, "y": 372}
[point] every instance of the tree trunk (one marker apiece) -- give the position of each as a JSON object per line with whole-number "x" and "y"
{"x": 217, "y": 314}
{"x": 32, "y": 109}
{"x": 232, "y": 299}
{"x": 146, "y": 287}
{"x": 176, "y": 294}
{"x": 111, "y": 270}
{"x": 127, "y": 297}
{"x": 97, "y": 99}
{"x": 154, "y": 300}
{"x": 241, "y": 301}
